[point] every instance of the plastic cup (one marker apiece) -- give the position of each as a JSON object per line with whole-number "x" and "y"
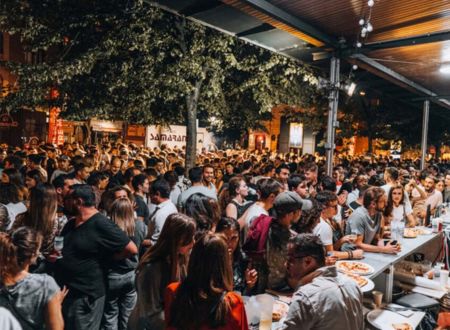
{"x": 265, "y": 302}
{"x": 444, "y": 278}
{"x": 377, "y": 298}
{"x": 435, "y": 225}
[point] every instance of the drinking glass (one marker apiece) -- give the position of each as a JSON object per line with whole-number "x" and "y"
{"x": 59, "y": 244}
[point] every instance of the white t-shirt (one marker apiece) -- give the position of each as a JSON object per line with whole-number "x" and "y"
{"x": 398, "y": 212}
{"x": 324, "y": 231}
{"x": 254, "y": 211}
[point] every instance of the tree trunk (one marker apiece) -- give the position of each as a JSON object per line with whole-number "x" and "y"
{"x": 191, "y": 129}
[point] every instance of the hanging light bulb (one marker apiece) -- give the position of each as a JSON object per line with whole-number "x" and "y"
{"x": 355, "y": 67}
{"x": 364, "y": 30}
{"x": 370, "y": 3}
{"x": 363, "y": 33}
{"x": 369, "y": 27}
{"x": 358, "y": 44}
{"x": 361, "y": 22}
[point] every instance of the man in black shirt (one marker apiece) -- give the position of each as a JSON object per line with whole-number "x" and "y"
{"x": 141, "y": 187}
{"x": 91, "y": 241}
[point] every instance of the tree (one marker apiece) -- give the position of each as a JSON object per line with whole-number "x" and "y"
{"x": 131, "y": 61}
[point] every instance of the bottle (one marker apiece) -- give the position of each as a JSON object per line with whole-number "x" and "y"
{"x": 394, "y": 230}
{"x": 400, "y": 230}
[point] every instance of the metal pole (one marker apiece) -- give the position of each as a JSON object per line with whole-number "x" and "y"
{"x": 332, "y": 112}
{"x": 426, "y": 116}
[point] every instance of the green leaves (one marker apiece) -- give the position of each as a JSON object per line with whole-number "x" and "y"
{"x": 127, "y": 60}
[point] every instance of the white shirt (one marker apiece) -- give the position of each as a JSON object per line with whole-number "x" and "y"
{"x": 254, "y": 211}
{"x": 324, "y": 231}
{"x": 174, "y": 194}
{"x": 401, "y": 211}
{"x": 353, "y": 196}
{"x": 159, "y": 217}
{"x": 184, "y": 196}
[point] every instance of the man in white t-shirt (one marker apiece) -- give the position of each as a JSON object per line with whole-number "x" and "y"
{"x": 325, "y": 231}
{"x": 329, "y": 203}
{"x": 268, "y": 189}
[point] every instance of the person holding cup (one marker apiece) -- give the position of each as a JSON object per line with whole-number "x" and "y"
{"x": 324, "y": 299}
{"x": 367, "y": 222}
{"x": 329, "y": 230}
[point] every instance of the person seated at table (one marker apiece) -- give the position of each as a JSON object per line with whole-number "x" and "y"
{"x": 205, "y": 299}
{"x": 433, "y": 196}
{"x": 329, "y": 231}
{"x": 367, "y": 223}
{"x": 244, "y": 277}
{"x": 397, "y": 209}
{"x": 324, "y": 299}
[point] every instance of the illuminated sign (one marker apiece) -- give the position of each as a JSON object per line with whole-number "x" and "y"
{"x": 295, "y": 135}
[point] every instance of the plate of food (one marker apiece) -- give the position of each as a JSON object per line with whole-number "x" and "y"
{"x": 423, "y": 231}
{"x": 387, "y": 320}
{"x": 364, "y": 283}
{"x": 410, "y": 233}
{"x": 354, "y": 267}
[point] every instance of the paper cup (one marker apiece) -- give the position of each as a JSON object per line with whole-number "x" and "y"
{"x": 444, "y": 278}
{"x": 265, "y": 302}
{"x": 377, "y": 298}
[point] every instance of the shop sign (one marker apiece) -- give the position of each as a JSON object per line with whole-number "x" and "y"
{"x": 6, "y": 120}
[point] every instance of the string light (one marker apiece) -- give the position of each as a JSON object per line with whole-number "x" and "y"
{"x": 365, "y": 28}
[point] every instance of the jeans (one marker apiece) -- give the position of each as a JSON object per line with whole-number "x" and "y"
{"x": 120, "y": 300}
{"x": 83, "y": 312}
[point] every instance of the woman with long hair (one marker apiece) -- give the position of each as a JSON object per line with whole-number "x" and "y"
{"x": 397, "y": 209}
{"x": 33, "y": 178}
{"x": 205, "y": 211}
{"x": 205, "y": 299}
{"x": 34, "y": 299}
{"x": 121, "y": 294}
{"x": 163, "y": 263}
{"x": 309, "y": 219}
{"x": 41, "y": 215}
{"x": 237, "y": 205}
{"x": 244, "y": 276}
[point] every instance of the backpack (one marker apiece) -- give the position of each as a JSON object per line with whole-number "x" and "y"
{"x": 255, "y": 242}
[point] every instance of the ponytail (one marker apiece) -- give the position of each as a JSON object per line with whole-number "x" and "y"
{"x": 8, "y": 256}
{"x": 17, "y": 249}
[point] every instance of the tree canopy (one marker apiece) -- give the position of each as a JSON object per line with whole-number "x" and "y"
{"x": 129, "y": 60}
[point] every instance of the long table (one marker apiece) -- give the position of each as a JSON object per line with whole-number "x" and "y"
{"x": 383, "y": 264}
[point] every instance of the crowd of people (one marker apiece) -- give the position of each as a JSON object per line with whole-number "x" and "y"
{"x": 117, "y": 236}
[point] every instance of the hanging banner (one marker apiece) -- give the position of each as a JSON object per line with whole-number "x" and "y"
{"x": 55, "y": 127}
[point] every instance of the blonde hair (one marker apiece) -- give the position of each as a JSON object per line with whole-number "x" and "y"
{"x": 122, "y": 214}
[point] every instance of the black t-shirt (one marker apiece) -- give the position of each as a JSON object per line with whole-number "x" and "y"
{"x": 142, "y": 208}
{"x": 126, "y": 265}
{"x": 87, "y": 252}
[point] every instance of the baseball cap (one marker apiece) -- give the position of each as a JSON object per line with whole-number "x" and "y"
{"x": 289, "y": 201}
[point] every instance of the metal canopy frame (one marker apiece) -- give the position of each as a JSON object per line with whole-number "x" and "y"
{"x": 410, "y": 41}
{"x": 327, "y": 47}
{"x": 293, "y": 21}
